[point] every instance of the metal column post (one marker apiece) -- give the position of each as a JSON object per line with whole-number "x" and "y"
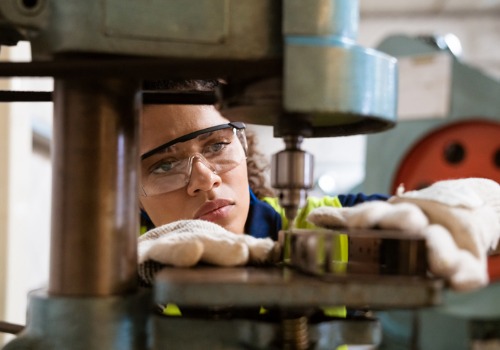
{"x": 94, "y": 205}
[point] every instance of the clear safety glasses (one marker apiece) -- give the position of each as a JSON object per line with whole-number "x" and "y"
{"x": 168, "y": 167}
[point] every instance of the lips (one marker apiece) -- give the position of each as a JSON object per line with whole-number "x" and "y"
{"x": 212, "y": 207}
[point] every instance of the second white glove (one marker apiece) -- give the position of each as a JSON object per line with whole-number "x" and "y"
{"x": 460, "y": 220}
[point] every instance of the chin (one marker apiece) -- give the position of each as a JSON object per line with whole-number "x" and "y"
{"x": 231, "y": 227}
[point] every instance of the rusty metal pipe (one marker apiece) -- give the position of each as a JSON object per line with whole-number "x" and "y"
{"x": 11, "y": 328}
{"x": 95, "y": 185}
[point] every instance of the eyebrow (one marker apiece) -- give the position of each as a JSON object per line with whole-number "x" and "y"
{"x": 192, "y": 135}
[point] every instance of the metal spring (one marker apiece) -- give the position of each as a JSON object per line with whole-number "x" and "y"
{"x": 295, "y": 334}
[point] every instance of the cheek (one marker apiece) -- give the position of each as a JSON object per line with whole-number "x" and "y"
{"x": 238, "y": 181}
{"x": 161, "y": 209}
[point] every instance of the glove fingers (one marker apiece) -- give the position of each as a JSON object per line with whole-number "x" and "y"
{"x": 185, "y": 243}
{"x": 471, "y": 229}
{"x": 476, "y": 231}
{"x": 470, "y": 275}
{"x": 467, "y": 193}
{"x": 442, "y": 252}
{"x": 460, "y": 267}
{"x": 367, "y": 214}
{"x": 184, "y": 253}
{"x": 328, "y": 217}
{"x": 143, "y": 251}
{"x": 405, "y": 217}
{"x": 225, "y": 252}
{"x": 262, "y": 250}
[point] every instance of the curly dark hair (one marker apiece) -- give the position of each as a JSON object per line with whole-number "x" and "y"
{"x": 257, "y": 162}
{"x": 180, "y": 85}
{"x": 257, "y": 169}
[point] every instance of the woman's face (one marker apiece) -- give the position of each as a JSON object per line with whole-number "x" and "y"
{"x": 223, "y": 198}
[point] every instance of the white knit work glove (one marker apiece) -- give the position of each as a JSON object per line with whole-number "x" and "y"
{"x": 460, "y": 220}
{"x": 185, "y": 243}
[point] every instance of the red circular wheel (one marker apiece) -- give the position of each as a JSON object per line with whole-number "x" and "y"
{"x": 464, "y": 149}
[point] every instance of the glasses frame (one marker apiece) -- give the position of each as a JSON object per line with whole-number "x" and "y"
{"x": 193, "y": 135}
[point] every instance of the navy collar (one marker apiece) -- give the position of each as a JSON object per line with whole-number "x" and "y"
{"x": 263, "y": 220}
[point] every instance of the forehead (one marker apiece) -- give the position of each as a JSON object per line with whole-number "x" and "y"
{"x": 162, "y": 123}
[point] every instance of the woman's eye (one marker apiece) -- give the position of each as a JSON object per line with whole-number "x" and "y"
{"x": 163, "y": 167}
{"x": 217, "y": 147}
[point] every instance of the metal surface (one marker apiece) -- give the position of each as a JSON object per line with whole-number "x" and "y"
{"x": 199, "y": 334}
{"x": 242, "y": 29}
{"x": 229, "y": 295}
{"x": 95, "y": 187}
{"x": 321, "y": 17}
{"x": 288, "y": 288}
{"x": 6, "y": 327}
{"x": 99, "y": 323}
{"x": 342, "y": 88}
{"x": 358, "y": 97}
{"x": 371, "y": 252}
{"x": 472, "y": 318}
{"x": 292, "y": 175}
{"x": 98, "y": 66}
{"x": 332, "y": 84}
{"x": 331, "y": 87}
{"x": 147, "y": 97}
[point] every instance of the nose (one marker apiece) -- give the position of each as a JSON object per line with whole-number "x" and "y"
{"x": 203, "y": 178}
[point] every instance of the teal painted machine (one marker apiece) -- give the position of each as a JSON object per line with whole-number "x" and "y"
{"x": 471, "y": 95}
{"x": 471, "y": 102}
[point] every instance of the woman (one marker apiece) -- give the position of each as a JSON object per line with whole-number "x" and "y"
{"x": 222, "y": 198}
